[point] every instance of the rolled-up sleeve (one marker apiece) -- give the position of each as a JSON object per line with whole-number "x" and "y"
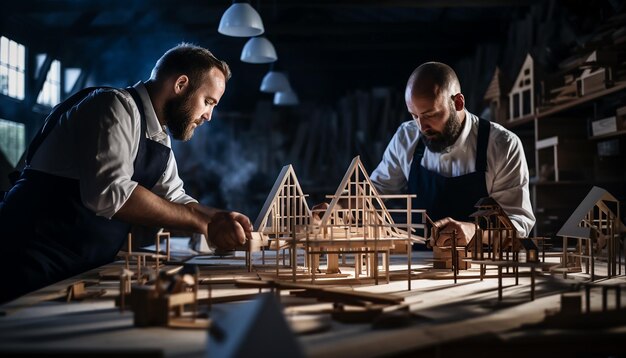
{"x": 107, "y": 140}
{"x": 170, "y": 185}
{"x": 510, "y": 182}
{"x": 390, "y": 176}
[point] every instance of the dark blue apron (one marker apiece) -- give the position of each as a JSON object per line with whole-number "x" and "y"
{"x": 47, "y": 232}
{"x": 455, "y": 196}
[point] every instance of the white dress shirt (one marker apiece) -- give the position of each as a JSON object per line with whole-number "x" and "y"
{"x": 506, "y": 176}
{"x": 96, "y": 142}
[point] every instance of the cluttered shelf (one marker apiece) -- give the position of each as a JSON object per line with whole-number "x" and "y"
{"x": 544, "y": 112}
{"x": 548, "y": 111}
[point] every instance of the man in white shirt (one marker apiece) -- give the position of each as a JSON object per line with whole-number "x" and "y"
{"x": 103, "y": 162}
{"x": 450, "y": 158}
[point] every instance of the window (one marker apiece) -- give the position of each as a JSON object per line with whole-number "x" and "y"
{"x": 50, "y": 94}
{"x": 12, "y": 68}
{"x": 12, "y": 140}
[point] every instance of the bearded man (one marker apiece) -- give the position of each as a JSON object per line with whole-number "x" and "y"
{"x": 450, "y": 158}
{"x": 103, "y": 162}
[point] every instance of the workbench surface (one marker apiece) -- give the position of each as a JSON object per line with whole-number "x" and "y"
{"x": 439, "y": 314}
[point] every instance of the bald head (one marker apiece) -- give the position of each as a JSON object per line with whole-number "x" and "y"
{"x": 432, "y": 79}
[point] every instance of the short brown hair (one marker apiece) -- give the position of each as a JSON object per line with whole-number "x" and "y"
{"x": 191, "y": 60}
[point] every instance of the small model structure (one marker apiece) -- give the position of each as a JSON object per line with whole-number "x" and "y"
{"x": 77, "y": 292}
{"x": 522, "y": 95}
{"x": 597, "y": 74}
{"x": 495, "y": 225}
{"x": 363, "y": 228}
{"x": 595, "y": 226}
{"x": 163, "y": 302}
{"x": 284, "y": 215}
{"x": 496, "y": 97}
{"x": 140, "y": 257}
{"x": 358, "y": 222}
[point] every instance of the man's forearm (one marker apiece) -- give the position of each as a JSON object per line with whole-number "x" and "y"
{"x": 145, "y": 208}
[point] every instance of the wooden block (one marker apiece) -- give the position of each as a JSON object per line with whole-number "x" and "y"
{"x": 442, "y": 259}
{"x": 592, "y": 83}
{"x": 571, "y": 303}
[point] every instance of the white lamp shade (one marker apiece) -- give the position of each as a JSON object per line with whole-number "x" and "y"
{"x": 289, "y": 98}
{"x": 241, "y": 20}
{"x": 258, "y": 50}
{"x": 275, "y": 81}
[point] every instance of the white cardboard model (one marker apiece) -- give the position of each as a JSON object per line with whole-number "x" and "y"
{"x": 522, "y": 95}
{"x": 253, "y": 329}
{"x": 595, "y": 221}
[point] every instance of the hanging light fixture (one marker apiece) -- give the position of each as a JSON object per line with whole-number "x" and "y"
{"x": 258, "y": 50}
{"x": 241, "y": 20}
{"x": 275, "y": 80}
{"x": 288, "y": 98}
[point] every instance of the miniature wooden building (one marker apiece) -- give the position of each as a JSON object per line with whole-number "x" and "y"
{"x": 597, "y": 74}
{"x": 496, "y": 97}
{"x": 284, "y": 214}
{"x": 522, "y": 95}
{"x": 141, "y": 256}
{"x": 595, "y": 226}
{"x": 164, "y": 302}
{"x": 358, "y": 222}
{"x": 494, "y": 224}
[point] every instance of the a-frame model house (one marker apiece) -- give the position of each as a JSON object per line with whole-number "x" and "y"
{"x": 358, "y": 222}
{"x": 595, "y": 225}
{"x": 284, "y": 214}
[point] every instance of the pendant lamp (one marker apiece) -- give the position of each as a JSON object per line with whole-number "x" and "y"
{"x": 275, "y": 81}
{"x": 258, "y": 50}
{"x": 241, "y": 20}
{"x": 289, "y": 98}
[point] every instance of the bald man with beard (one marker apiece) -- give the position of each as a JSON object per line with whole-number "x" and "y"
{"x": 450, "y": 158}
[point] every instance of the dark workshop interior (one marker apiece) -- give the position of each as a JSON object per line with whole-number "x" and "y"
{"x": 552, "y": 72}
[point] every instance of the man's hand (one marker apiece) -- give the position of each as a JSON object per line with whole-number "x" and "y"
{"x": 317, "y": 212}
{"x": 464, "y": 232}
{"x": 227, "y": 230}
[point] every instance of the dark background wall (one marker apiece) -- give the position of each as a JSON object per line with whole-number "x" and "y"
{"x": 348, "y": 61}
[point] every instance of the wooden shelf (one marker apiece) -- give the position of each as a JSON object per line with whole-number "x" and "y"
{"x": 552, "y": 110}
{"x": 608, "y": 135}
{"x": 519, "y": 121}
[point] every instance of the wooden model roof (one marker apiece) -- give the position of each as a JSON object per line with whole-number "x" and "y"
{"x": 521, "y": 76}
{"x": 595, "y": 198}
{"x": 487, "y": 207}
{"x": 286, "y": 204}
{"x": 356, "y": 185}
{"x": 498, "y": 87}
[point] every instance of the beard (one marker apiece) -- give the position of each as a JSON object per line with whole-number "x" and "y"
{"x": 436, "y": 142}
{"x": 178, "y": 113}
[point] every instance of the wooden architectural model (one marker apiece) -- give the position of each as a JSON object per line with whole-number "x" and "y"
{"x": 358, "y": 222}
{"x": 595, "y": 226}
{"x": 140, "y": 257}
{"x": 522, "y": 96}
{"x": 283, "y": 216}
{"x": 496, "y": 97}
{"x": 163, "y": 302}
{"x": 597, "y": 74}
{"x": 495, "y": 225}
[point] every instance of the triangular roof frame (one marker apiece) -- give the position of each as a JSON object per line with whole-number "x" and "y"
{"x": 528, "y": 60}
{"x": 357, "y": 169}
{"x": 498, "y": 87}
{"x": 286, "y": 178}
{"x": 595, "y": 197}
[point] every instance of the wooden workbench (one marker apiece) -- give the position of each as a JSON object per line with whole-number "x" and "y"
{"x": 444, "y": 318}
